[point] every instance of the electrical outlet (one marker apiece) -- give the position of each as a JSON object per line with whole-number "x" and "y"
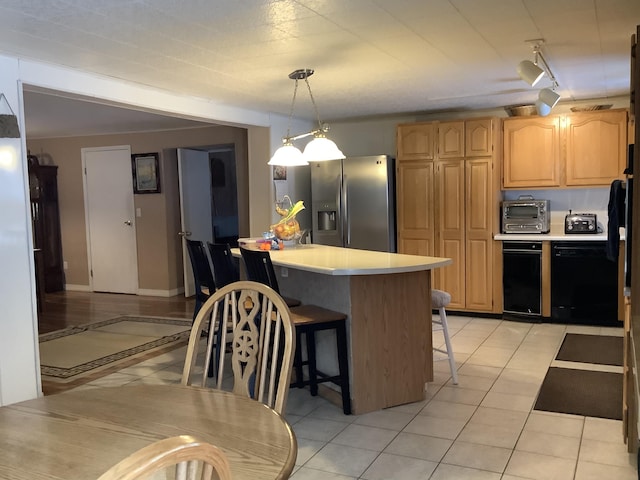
{"x": 284, "y": 271}
{"x": 65, "y": 265}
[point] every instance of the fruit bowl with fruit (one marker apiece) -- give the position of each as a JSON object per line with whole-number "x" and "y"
{"x": 288, "y": 227}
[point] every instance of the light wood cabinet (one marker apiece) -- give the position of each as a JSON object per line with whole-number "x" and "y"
{"x": 573, "y": 150}
{"x": 450, "y": 233}
{"x": 596, "y": 147}
{"x": 416, "y": 141}
{"x": 480, "y": 211}
{"x": 451, "y": 139}
{"x": 415, "y": 205}
{"x": 531, "y": 152}
{"x": 448, "y": 207}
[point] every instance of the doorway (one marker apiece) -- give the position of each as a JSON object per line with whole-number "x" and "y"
{"x": 110, "y": 219}
{"x": 208, "y": 199}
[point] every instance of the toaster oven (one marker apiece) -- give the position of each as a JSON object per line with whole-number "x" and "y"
{"x": 525, "y": 215}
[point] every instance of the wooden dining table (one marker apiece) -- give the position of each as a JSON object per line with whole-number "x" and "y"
{"x": 81, "y": 434}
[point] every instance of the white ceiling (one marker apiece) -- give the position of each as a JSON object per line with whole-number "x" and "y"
{"x": 371, "y": 57}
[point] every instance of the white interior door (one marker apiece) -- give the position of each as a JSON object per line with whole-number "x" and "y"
{"x": 110, "y": 216}
{"x": 194, "y": 177}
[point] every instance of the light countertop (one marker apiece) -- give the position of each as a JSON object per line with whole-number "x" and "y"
{"x": 556, "y": 233}
{"x": 349, "y": 261}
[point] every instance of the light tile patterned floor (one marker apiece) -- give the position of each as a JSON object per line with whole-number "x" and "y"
{"x": 481, "y": 429}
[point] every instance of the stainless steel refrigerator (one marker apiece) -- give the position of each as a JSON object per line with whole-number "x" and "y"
{"x": 353, "y": 203}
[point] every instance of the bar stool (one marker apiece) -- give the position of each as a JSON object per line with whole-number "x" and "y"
{"x": 439, "y": 300}
{"x": 308, "y": 319}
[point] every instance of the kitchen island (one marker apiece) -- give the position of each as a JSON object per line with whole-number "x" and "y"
{"x": 387, "y": 299}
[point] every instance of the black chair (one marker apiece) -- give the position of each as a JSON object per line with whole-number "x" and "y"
{"x": 225, "y": 270}
{"x": 258, "y": 266}
{"x": 202, "y": 275}
{"x": 308, "y": 319}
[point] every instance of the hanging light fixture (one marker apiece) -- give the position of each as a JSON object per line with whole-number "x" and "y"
{"x": 318, "y": 149}
{"x": 532, "y": 72}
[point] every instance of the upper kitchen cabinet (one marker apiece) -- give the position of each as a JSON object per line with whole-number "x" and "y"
{"x": 468, "y": 138}
{"x": 416, "y": 141}
{"x": 478, "y": 137}
{"x": 531, "y": 152}
{"x": 596, "y": 147}
{"x": 451, "y": 139}
{"x": 573, "y": 150}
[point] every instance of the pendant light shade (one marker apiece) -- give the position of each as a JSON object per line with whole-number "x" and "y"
{"x": 530, "y": 72}
{"x": 322, "y": 149}
{"x": 288, "y": 156}
{"x": 548, "y": 97}
{"x": 319, "y": 149}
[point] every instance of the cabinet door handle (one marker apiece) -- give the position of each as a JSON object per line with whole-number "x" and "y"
{"x": 127, "y": 222}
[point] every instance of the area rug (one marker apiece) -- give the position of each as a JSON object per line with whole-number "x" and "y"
{"x": 581, "y": 392}
{"x": 78, "y": 354}
{"x": 600, "y": 349}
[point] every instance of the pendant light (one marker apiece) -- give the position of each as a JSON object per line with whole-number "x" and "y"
{"x": 319, "y": 149}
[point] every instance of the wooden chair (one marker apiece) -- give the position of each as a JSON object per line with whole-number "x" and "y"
{"x": 263, "y": 342}
{"x": 202, "y": 275}
{"x": 193, "y": 460}
{"x": 308, "y": 319}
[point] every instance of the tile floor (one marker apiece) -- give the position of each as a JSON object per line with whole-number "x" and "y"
{"x": 484, "y": 428}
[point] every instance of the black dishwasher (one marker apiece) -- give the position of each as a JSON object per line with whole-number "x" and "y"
{"x": 584, "y": 284}
{"x": 522, "y": 280}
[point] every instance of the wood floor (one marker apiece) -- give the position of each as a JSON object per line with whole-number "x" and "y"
{"x": 64, "y": 309}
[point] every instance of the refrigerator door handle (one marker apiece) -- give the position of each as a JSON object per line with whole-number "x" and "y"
{"x": 346, "y": 224}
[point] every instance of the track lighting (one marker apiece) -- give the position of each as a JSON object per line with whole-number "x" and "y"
{"x": 532, "y": 72}
{"x": 318, "y": 149}
{"x": 549, "y": 97}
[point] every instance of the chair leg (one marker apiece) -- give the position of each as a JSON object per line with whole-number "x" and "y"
{"x": 447, "y": 341}
{"x": 343, "y": 365}
{"x": 311, "y": 362}
{"x": 297, "y": 361}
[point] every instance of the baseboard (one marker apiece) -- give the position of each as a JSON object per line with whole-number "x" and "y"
{"x": 142, "y": 291}
{"x": 160, "y": 293}
{"x": 77, "y": 288}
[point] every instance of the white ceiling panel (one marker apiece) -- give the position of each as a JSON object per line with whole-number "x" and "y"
{"x": 372, "y": 57}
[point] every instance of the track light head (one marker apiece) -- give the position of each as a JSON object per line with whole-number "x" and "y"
{"x": 549, "y": 97}
{"x": 530, "y": 72}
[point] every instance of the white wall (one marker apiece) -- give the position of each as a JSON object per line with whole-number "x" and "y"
{"x": 19, "y": 361}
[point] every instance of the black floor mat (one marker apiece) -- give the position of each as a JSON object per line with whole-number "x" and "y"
{"x": 600, "y": 349}
{"x": 581, "y": 392}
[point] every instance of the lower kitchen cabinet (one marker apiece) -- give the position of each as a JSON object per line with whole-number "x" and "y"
{"x": 464, "y": 232}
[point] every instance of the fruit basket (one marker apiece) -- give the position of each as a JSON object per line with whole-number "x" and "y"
{"x": 288, "y": 227}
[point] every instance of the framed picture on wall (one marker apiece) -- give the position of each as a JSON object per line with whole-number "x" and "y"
{"x": 146, "y": 173}
{"x": 279, "y": 172}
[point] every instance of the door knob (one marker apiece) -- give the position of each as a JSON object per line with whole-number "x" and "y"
{"x": 127, "y": 222}
{"x": 184, "y": 234}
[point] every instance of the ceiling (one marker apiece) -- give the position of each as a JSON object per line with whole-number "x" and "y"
{"x": 371, "y": 57}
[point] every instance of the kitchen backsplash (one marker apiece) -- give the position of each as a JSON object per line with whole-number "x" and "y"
{"x": 578, "y": 200}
